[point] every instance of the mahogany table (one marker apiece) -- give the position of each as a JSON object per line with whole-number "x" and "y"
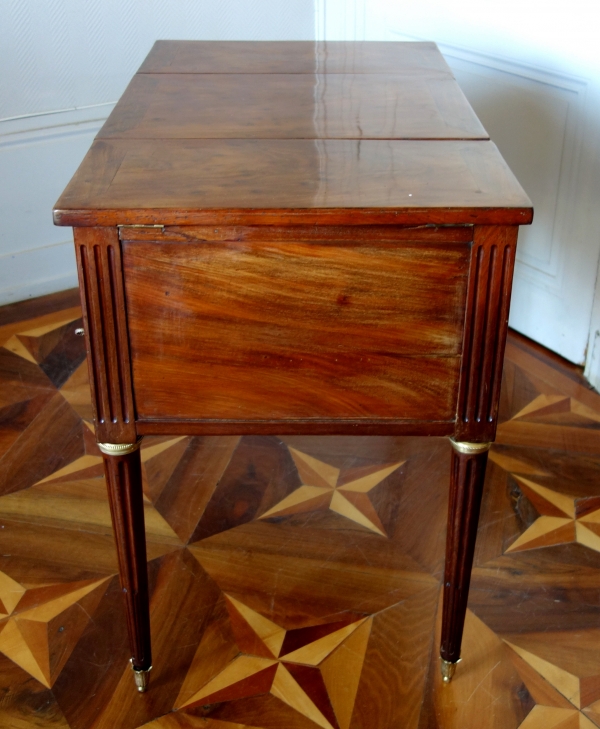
{"x": 294, "y": 237}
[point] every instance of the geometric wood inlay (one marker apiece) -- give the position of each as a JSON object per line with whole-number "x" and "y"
{"x": 582, "y": 691}
{"x": 39, "y": 643}
{"x": 557, "y": 408}
{"x": 318, "y": 678}
{"x": 10, "y": 594}
{"x": 323, "y": 488}
{"x": 558, "y": 522}
{"x": 298, "y": 588}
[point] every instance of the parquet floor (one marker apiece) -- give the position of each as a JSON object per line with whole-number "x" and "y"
{"x": 295, "y": 581}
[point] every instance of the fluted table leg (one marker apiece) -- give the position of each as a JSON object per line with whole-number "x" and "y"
{"x": 123, "y": 471}
{"x": 466, "y": 487}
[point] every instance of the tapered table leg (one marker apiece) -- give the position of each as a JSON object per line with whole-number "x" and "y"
{"x": 466, "y": 487}
{"x": 123, "y": 470}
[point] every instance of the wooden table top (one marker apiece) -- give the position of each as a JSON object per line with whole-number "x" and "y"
{"x": 292, "y": 132}
{"x": 293, "y": 57}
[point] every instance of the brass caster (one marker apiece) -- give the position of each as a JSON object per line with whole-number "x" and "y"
{"x": 141, "y": 678}
{"x": 448, "y": 669}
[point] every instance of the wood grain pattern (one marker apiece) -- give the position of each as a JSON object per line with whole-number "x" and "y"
{"x": 292, "y": 106}
{"x": 529, "y": 649}
{"x": 397, "y": 91}
{"x": 292, "y": 181}
{"x": 252, "y": 330}
{"x": 33, "y": 640}
{"x": 294, "y": 427}
{"x": 124, "y": 483}
{"x": 101, "y": 285}
{"x": 389, "y": 702}
{"x": 183, "y": 595}
{"x": 465, "y": 701}
{"x": 268, "y": 331}
{"x": 39, "y": 307}
{"x": 54, "y": 438}
{"x": 486, "y": 324}
{"x": 293, "y": 57}
{"x": 467, "y": 473}
{"x": 294, "y": 233}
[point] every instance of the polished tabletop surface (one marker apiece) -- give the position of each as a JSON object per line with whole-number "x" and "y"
{"x": 294, "y": 57}
{"x": 315, "y": 132}
{"x": 294, "y": 106}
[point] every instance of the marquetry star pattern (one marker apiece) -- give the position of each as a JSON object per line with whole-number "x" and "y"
{"x": 562, "y": 519}
{"x": 326, "y": 487}
{"x": 49, "y": 346}
{"x": 314, "y": 670}
{"x": 35, "y": 344}
{"x": 41, "y": 626}
{"x": 76, "y": 493}
{"x": 558, "y": 409}
{"x": 566, "y": 692}
{"x": 314, "y": 675}
{"x": 91, "y": 465}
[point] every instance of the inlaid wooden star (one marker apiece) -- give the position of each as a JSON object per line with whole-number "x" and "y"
{"x": 325, "y": 487}
{"x": 11, "y": 593}
{"x": 43, "y": 624}
{"x": 558, "y": 409}
{"x": 552, "y": 420}
{"x": 562, "y": 519}
{"x": 76, "y": 493}
{"x": 36, "y": 344}
{"x": 314, "y": 670}
{"x": 564, "y": 680}
{"x": 51, "y": 344}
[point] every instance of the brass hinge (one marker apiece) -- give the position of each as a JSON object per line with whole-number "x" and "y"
{"x": 162, "y": 227}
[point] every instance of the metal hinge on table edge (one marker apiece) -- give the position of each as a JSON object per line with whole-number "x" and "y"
{"x": 153, "y": 227}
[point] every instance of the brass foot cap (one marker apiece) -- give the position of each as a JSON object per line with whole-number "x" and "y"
{"x": 141, "y": 677}
{"x": 448, "y": 669}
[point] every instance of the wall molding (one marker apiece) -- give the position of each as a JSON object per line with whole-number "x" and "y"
{"x": 573, "y": 90}
{"x": 516, "y": 68}
{"x": 62, "y": 62}
{"x": 40, "y": 153}
{"x": 557, "y": 258}
{"x": 27, "y": 272}
{"x": 29, "y": 127}
{"x": 51, "y": 112}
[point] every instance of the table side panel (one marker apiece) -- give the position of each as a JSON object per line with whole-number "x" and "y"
{"x": 251, "y": 330}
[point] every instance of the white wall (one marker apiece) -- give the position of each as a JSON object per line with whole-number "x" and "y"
{"x": 531, "y": 69}
{"x": 63, "y": 64}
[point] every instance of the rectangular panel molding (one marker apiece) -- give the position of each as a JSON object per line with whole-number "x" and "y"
{"x": 542, "y": 123}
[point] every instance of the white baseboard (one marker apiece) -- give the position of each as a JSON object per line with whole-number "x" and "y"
{"x": 592, "y": 361}
{"x": 36, "y": 272}
{"x": 38, "y": 156}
